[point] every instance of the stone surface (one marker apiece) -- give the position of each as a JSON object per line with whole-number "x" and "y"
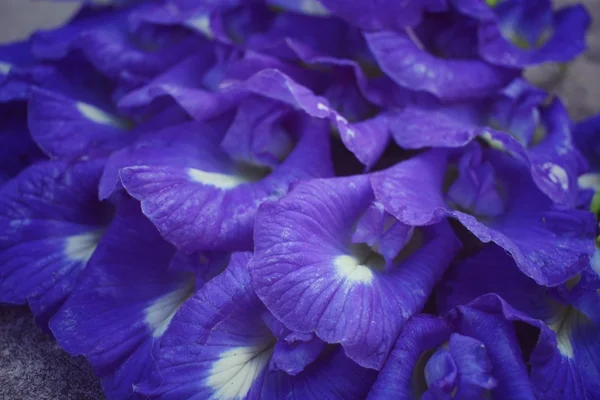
{"x": 33, "y": 366}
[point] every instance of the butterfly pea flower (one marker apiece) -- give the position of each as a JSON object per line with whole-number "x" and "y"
{"x": 201, "y": 197}
{"x": 51, "y": 222}
{"x": 564, "y": 358}
{"x": 492, "y": 195}
{"x": 72, "y": 114}
{"x": 224, "y": 344}
{"x": 18, "y": 71}
{"x": 517, "y": 120}
{"x": 114, "y": 45}
{"x": 209, "y": 83}
{"x": 133, "y": 285}
{"x": 329, "y": 260}
{"x": 470, "y": 353}
{"x": 519, "y": 34}
{"x": 438, "y": 57}
{"x": 205, "y": 89}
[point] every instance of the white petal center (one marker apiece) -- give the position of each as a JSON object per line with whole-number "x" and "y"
{"x": 350, "y": 268}
{"x": 162, "y": 310}
{"x": 81, "y": 247}
{"x": 220, "y": 181}
{"x": 99, "y": 116}
{"x": 5, "y": 68}
{"x": 233, "y": 374}
{"x": 562, "y": 325}
{"x": 202, "y": 24}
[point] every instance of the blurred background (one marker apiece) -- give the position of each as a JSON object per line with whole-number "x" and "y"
{"x": 32, "y": 366}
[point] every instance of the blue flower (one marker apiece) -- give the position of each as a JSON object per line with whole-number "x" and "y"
{"x": 317, "y": 199}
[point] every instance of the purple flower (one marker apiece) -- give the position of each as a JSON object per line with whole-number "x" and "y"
{"x": 517, "y": 120}
{"x": 329, "y": 260}
{"x": 110, "y": 42}
{"x": 126, "y": 297}
{"x": 51, "y": 222}
{"x": 223, "y": 343}
{"x": 204, "y": 200}
{"x": 564, "y": 359}
{"x": 202, "y": 197}
{"x": 515, "y": 33}
{"x": 493, "y": 196}
{"x": 473, "y": 352}
{"x": 438, "y": 57}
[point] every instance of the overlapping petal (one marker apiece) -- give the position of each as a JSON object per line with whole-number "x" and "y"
{"x": 111, "y": 43}
{"x": 51, "y": 222}
{"x": 549, "y": 243}
{"x": 566, "y": 321}
{"x": 309, "y": 275}
{"x": 483, "y": 355}
{"x": 126, "y": 299}
{"x": 73, "y": 116}
{"x": 208, "y": 202}
{"x": 219, "y": 347}
{"x": 529, "y": 33}
{"x": 412, "y": 67}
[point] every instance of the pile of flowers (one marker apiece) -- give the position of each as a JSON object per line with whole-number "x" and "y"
{"x": 293, "y": 199}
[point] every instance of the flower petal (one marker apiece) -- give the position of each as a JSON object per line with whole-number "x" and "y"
{"x": 305, "y": 273}
{"x": 567, "y": 40}
{"x": 401, "y": 376}
{"x": 413, "y": 68}
{"x": 492, "y": 270}
{"x": 549, "y": 243}
{"x": 219, "y": 347}
{"x": 201, "y": 203}
{"x": 51, "y": 222}
{"x": 124, "y": 302}
{"x": 486, "y": 319}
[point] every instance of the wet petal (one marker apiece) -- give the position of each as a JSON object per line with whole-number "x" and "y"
{"x": 219, "y": 347}
{"x": 202, "y": 202}
{"x": 305, "y": 271}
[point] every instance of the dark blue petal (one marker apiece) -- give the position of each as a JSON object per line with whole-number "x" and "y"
{"x": 51, "y": 224}
{"x": 124, "y": 302}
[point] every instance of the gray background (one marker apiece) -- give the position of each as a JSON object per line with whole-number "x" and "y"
{"x": 32, "y": 365}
